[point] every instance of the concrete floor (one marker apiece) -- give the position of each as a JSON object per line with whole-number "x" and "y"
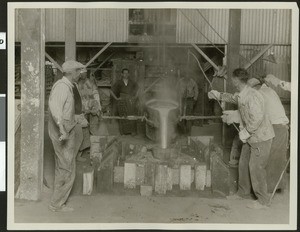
{"x": 132, "y": 208}
{"x": 136, "y": 209}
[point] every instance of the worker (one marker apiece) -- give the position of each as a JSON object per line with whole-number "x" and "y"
{"x": 271, "y": 79}
{"x": 188, "y": 95}
{"x": 279, "y": 120}
{"x": 81, "y": 122}
{"x": 125, "y": 92}
{"x": 91, "y": 107}
{"x": 62, "y": 134}
{"x": 256, "y": 132}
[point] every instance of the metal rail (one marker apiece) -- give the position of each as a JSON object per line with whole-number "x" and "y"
{"x": 191, "y": 117}
{"x": 127, "y": 118}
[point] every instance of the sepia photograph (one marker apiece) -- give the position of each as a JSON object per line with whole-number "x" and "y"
{"x": 152, "y": 115}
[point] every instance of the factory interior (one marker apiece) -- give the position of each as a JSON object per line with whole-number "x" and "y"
{"x": 142, "y": 164}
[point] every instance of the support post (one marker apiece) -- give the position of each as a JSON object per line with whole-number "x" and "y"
{"x": 70, "y": 34}
{"x": 233, "y": 62}
{"x": 32, "y": 102}
{"x": 233, "y": 48}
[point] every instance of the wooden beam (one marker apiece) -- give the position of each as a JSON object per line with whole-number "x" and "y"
{"x": 205, "y": 56}
{"x": 32, "y": 31}
{"x": 103, "y": 62}
{"x": 70, "y": 34}
{"x": 53, "y": 62}
{"x": 98, "y": 54}
{"x": 255, "y": 58}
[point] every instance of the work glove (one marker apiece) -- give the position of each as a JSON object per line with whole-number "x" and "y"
{"x": 214, "y": 94}
{"x": 271, "y": 79}
{"x": 231, "y": 116}
{"x": 285, "y": 85}
{"x": 244, "y": 135}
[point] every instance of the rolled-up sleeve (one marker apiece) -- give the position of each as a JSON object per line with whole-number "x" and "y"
{"x": 255, "y": 113}
{"x": 57, "y": 101}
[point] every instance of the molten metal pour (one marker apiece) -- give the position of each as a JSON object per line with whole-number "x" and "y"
{"x": 164, "y": 107}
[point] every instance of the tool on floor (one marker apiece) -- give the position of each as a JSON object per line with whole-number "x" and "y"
{"x": 280, "y": 178}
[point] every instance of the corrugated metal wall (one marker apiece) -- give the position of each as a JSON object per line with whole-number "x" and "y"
{"x": 102, "y": 25}
{"x": 282, "y": 69}
{"x": 191, "y": 26}
{"x": 261, "y": 26}
{"x": 55, "y": 25}
{"x": 258, "y": 26}
{"x": 92, "y": 25}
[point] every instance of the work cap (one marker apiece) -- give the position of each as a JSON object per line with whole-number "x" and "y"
{"x": 71, "y": 65}
{"x": 253, "y": 82}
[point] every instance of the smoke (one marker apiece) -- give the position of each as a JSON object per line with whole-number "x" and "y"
{"x": 167, "y": 88}
{"x": 161, "y": 70}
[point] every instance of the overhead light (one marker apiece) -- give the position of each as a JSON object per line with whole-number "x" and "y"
{"x": 270, "y": 58}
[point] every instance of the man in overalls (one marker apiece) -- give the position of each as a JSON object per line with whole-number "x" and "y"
{"x": 61, "y": 131}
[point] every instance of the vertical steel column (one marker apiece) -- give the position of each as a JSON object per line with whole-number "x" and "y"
{"x": 70, "y": 34}
{"x": 233, "y": 62}
{"x": 233, "y": 48}
{"x": 32, "y": 102}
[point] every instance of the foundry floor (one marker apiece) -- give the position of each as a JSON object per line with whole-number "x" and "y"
{"x": 166, "y": 209}
{"x": 132, "y": 208}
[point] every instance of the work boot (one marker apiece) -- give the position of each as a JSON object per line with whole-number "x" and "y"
{"x": 63, "y": 208}
{"x": 256, "y": 205}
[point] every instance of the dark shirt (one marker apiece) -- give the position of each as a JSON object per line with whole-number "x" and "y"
{"x": 119, "y": 88}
